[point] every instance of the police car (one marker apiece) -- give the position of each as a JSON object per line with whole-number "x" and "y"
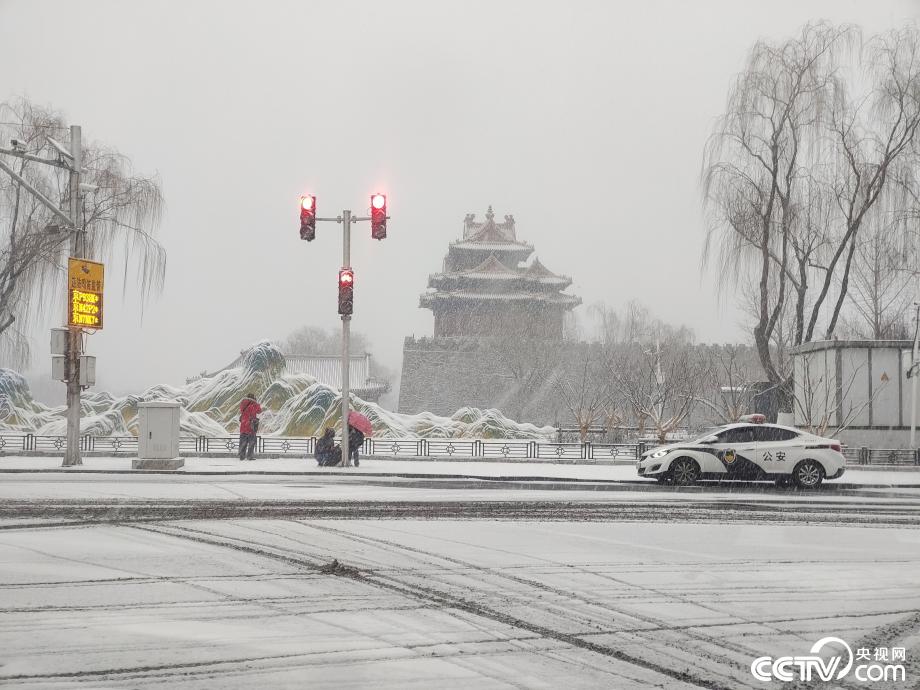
{"x": 750, "y": 450}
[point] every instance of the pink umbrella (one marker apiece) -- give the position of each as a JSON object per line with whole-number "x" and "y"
{"x": 360, "y": 422}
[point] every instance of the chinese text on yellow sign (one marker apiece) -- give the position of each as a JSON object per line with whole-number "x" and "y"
{"x": 84, "y": 287}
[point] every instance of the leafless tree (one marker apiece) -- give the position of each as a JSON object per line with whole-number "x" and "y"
{"x": 586, "y": 390}
{"x": 798, "y": 167}
{"x": 662, "y": 402}
{"x": 881, "y": 286}
{"x": 313, "y": 340}
{"x": 119, "y": 218}
{"x": 532, "y": 367}
{"x": 726, "y": 378}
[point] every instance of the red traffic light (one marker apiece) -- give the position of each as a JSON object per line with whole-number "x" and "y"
{"x": 308, "y": 217}
{"x": 346, "y": 291}
{"x": 378, "y": 216}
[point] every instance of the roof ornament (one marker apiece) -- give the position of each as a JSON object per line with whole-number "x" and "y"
{"x": 490, "y": 216}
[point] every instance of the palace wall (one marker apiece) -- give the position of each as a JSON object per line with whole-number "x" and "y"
{"x": 476, "y": 320}
{"x": 441, "y": 375}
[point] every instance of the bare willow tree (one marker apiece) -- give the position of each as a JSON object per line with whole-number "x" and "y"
{"x": 120, "y": 217}
{"x": 796, "y": 169}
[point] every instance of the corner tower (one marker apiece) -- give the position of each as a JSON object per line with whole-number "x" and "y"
{"x": 488, "y": 289}
{"x": 496, "y": 307}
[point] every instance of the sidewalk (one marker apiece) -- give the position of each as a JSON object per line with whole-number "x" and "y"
{"x": 855, "y": 476}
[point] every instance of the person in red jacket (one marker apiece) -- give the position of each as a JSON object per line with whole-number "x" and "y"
{"x": 249, "y": 426}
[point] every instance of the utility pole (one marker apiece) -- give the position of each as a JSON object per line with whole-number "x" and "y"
{"x": 72, "y": 161}
{"x": 378, "y": 220}
{"x": 75, "y": 339}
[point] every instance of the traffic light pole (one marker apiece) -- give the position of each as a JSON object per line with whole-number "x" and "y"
{"x": 346, "y": 334}
{"x": 307, "y": 219}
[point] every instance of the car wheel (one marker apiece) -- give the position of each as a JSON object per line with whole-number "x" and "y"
{"x": 684, "y": 472}
{"x": 808, "y": 474}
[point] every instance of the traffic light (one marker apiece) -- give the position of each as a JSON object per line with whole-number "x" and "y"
{"x": 346, "y": 291}
{"x": 308, "y": 217}
{"x": 378, "y": 216}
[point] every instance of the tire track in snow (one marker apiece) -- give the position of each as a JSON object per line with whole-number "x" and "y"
{"x": 657, "y": 625}
{"x": 432, "y": 596}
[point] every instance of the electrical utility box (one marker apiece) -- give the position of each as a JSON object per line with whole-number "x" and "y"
{"x": 87, "y": 370}
{"x": 158, "y": 430}
{"x": 59, "y": 368}
{"x": 59, "y": 338}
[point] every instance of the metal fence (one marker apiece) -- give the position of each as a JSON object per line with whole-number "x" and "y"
{"x": 281, "y": 446}
{"x": 511, "y": 450}
{"x": 882, "y": 456}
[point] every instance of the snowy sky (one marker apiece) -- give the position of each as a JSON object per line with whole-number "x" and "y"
{"x": 586, "y": 120}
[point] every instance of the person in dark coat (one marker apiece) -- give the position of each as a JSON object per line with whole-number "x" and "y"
{"x": 355, "y": 441}
{"x": 327, "y": 453}
{"x": 249, "y": 426}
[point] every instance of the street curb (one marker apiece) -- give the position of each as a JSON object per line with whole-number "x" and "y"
{"x": 487, "y": 479}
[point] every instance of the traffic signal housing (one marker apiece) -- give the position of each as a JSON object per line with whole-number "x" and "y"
{"x": 378, "y": 216}
{"x": 308, "y": 217}
{"x": 346, "y": 291}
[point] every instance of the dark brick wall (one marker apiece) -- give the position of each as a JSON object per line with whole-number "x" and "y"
{"x": 441, "y": 375}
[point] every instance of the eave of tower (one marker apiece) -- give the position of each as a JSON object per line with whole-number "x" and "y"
{"x": 430, "y": 299}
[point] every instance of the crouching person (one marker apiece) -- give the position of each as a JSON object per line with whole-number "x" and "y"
{"x": 327, "y": 453}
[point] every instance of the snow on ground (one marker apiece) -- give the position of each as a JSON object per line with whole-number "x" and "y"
{"x": 426, "y": 466}
{"x": 246, "y": 603}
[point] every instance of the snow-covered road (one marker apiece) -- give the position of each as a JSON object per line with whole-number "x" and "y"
{"x": 447, "y": 580}
{"x": 447, "y": 604}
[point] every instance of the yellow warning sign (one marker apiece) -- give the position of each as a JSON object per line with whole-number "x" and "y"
{"x": 85, "y": 281}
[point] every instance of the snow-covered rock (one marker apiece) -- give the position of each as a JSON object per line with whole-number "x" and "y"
{"x": 295, "y": 405}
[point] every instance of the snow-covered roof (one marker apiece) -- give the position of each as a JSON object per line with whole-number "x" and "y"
{"x": 537, "y": 271}
{"x": 517, "y": 247}
{"x": 493, "y": 269}
{"x": 489, "y": 230}
{"x": 328, "y": 369}
{"x": 552, "y": 298}
{"x": 493, "y": 266}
